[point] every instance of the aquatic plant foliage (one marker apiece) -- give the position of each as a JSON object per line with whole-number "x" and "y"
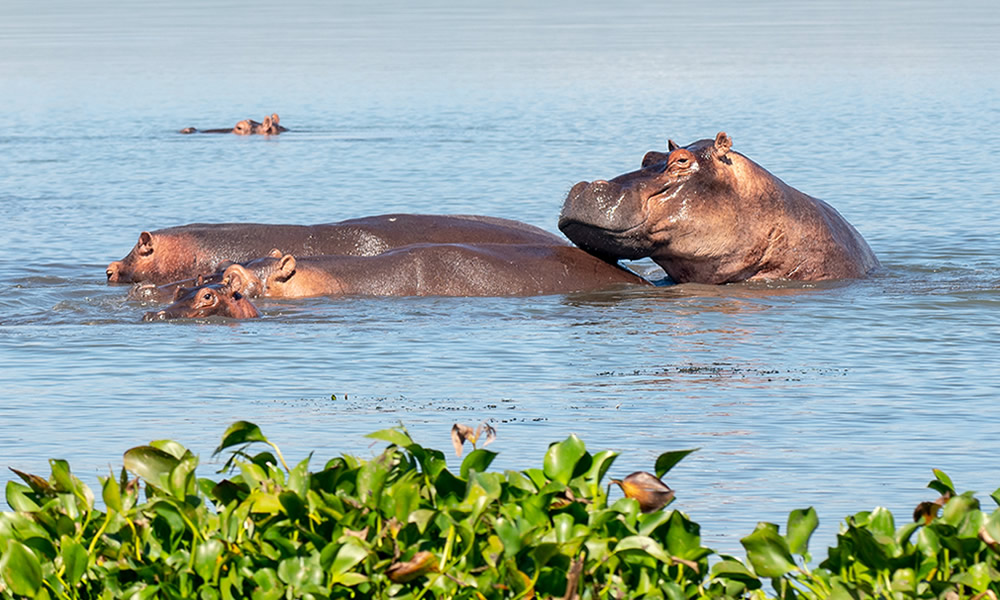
{"x": 402, "y": 525}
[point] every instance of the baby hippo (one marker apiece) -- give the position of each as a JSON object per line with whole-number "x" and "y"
{"x": 431, "y": 270}
{"x": 209, "y": 299}
{"x": 270, "y": 126}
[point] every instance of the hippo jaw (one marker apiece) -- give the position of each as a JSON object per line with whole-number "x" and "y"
{"x": 606, "y": 219}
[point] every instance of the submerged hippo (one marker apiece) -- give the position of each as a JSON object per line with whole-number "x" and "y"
{"x": 432, "y": 270}
{"x": 187, "y": 251}
{"x": 209, "y": 299}
{"x": 270, "y": 126}
{"x": 419, "y": 270}
{"x": 707, "y": 214}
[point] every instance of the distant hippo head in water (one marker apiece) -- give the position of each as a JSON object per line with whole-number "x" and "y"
{"x": 707, "y": 214}
{"x": 270, "y": 126}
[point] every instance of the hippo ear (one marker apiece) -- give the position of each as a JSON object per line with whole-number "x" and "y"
{"x": 145, "y": 244}
{"x": 275, "y": 253}
{"x": 672, "y": 145}
{"x": 286, "y": 267}
{"x": 653, "y": 158}
{"x": 722, "y": 144}
{"x": 236, "y": 278}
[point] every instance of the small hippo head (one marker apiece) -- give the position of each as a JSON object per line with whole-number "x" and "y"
{"x": 270, "y": 126}
{"x": 246, "y": 127}
{"x": 212, "y": 299}
{"x": 677, "y": 208}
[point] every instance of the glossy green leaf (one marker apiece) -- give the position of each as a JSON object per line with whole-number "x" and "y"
{"x": 478, "y": 460}
{"x": 20, "y": 569}
{"x": 643, "y": 543}
{"x": 151, "y": 464}
{"x": 958, "y": 507}
{"x": 293, "y": 505}
{"x": 684, "y": 537}
{"x": 239, "y": 433}
{"x": 801, "y": 525}
{"x": 668, "y": 460}
{"x": 18, "y": 499}
{"x": 395, "y": 436}
{"x": 269, "y": 587}
{"x": 733, "y": 569}
{"x": 562, "y": 457}
{"x": 996, "y": 496}
{"x": 206, "y": 556}
{"x": 75, "y": 559}
{"x": 111, "y": 493}
{"x": 64, "y": 481}
{"x": 943, "y": 478}
{"x": 768, "y": 552}
{"x": 171, "y": 447}
{"x": 347, "y": 557}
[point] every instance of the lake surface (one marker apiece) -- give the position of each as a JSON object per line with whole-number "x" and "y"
{"x": 841, "y": 396}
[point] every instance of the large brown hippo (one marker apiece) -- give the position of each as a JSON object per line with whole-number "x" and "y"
{"x": 432, "y": 270}
{"x": 205, "y": 300}
{"x": 707, "y": 214}
{"x": 270, "y": 126}
{"x": 190, "y": 250}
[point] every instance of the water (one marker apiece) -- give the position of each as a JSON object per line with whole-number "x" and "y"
{"x": 842, "y": 396}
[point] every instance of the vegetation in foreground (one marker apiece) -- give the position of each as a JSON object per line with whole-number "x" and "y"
{"x": 401, "y": 525}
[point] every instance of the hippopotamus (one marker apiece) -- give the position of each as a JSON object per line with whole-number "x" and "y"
{"x": 187, "y": 251}
{"x": 417, "y": 270}
{"x": 270, "y": 126}
{"x": 205, "y": 300}
{"x": 432, "y": 270}
{"x": 708, "y": 214}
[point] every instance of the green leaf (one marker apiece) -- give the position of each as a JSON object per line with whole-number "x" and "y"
{"x": 668, "y": 460}
{"x": 801, "y": 525}
{"x": 170, "y": 447}
{"x": 349, "y": 555}
{"x": 643, "y": 543}
{"x": 240, "y": 432}
{"x": 768, "y": 552}
{"x": 562, "y": 457}
{"x": 206, "y": 555}
{"x": 395, "y": 436}
{"x": 996, "y": 496}
{"x": 75, "y": 559}
{"x": 19, "y": 567}
{"x": 733, "y": 569}
{"x": 151, "y": 464}
{"x": 600, "y": 465}
{"x": 294, "y": 506}
{"x": 684, "y": 537}
{"x": 17, "y": 497}
{"x": 958, "y": 507}
{"x": 111, "y": 492}
{"x": 478, "y": 460}
{"x": 61, "y": 473}
{"x": 943, "y": 478}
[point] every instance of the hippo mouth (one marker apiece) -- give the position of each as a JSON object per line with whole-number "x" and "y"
{"x": 605, "y": 220}
{"x": 608, "y": 244}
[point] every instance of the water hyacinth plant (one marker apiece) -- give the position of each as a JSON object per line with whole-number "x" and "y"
{"x": 402, "y": 525}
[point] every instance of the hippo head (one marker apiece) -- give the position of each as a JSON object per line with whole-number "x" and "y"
{"x": 155, "y": 257}
{"x": 681, "y": 208}
{"x": 212, "y": 299}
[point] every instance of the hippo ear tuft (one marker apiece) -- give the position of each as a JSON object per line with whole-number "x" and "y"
{"x": 722, "y": 144}
{"x": 672, "y": 145}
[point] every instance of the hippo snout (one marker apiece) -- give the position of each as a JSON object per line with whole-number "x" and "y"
{"x": 114, "y": 272}
{"x": 159, "y": 315}
{"x": 605, "y": 218}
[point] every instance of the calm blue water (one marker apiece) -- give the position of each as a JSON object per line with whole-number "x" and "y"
{"x": 840, "y": 396}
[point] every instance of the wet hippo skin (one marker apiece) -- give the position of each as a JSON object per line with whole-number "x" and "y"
{"x": 417, "y": 270}
{"x": 187, "y": 251}
{"x": 433, "y": 270}
{"x": 708, "y": 214}
{"x": 270, "y": 126}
